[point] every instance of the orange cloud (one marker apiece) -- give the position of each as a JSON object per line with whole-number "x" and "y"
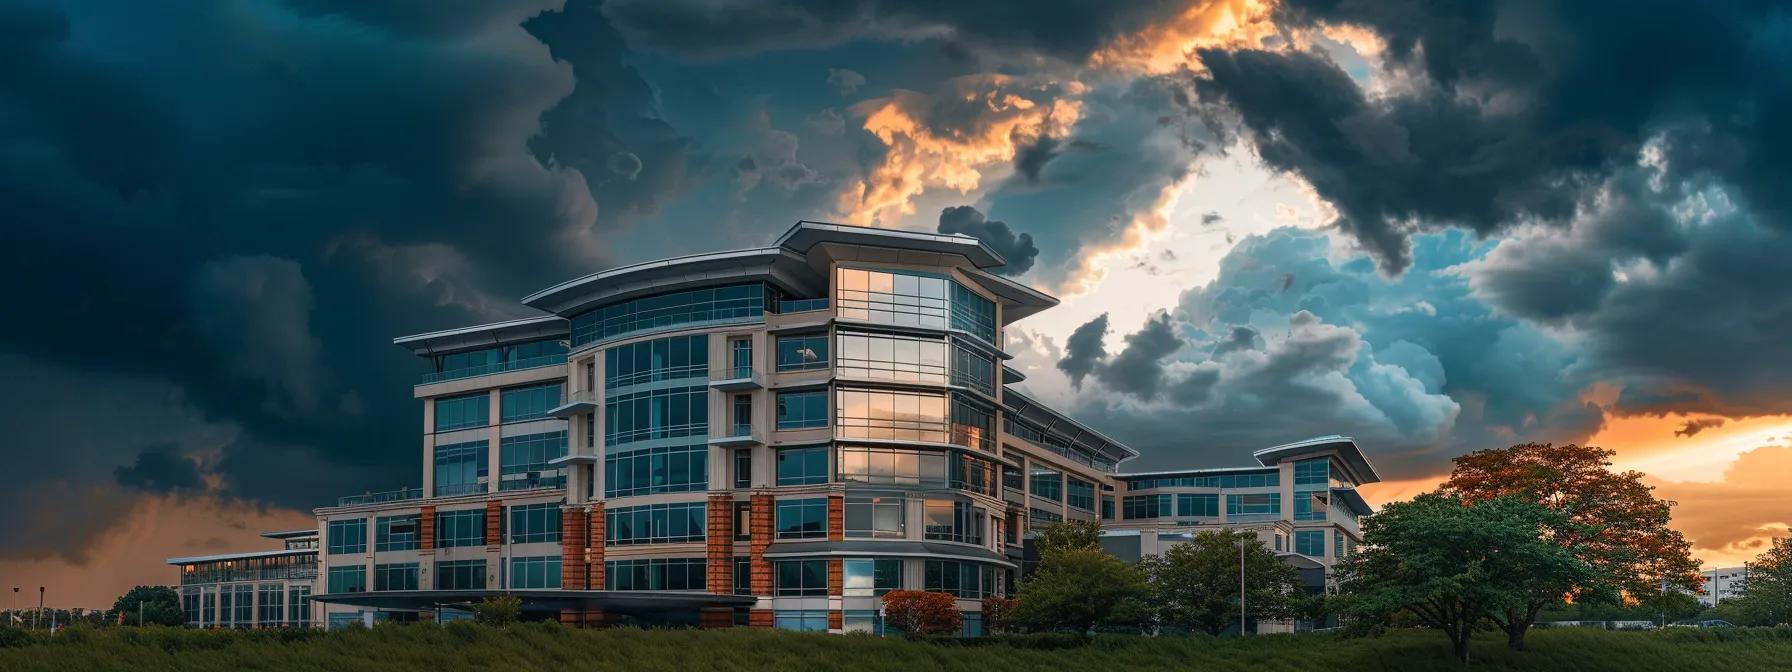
{"x": 950, "y": 140}
{"x": 1169, "y": 46}
{"x": 1154, "y": 218}
{"x": 1730, "y": 521}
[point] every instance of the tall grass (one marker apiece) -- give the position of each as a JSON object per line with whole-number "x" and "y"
{"x": 467, "y": 646}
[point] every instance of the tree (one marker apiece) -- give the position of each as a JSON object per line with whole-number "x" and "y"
{"x": 1078, "y": 589}
{"x": 1452, "y": 564}
{"x": 1196, "y": 584}
{"x": 914, "y": 612}
{"x": 1065, "y": 536}
{"x": 1767, "y": 594}
{"x": 998, "y": 614}
{"x": 160, "y": 605}
{"x": 1613, "y": 520}
{"x": 498, "y": 610}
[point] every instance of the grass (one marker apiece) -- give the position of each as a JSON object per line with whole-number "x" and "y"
{"x": 466, "y": 646}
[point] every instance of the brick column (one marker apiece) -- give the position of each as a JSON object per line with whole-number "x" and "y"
{"x": 836, "y": 576}
{"x": 594, "y": 546}
{"x": 836, "y": 518}
{"x": 721, "y": 546}
{"x": 760, "y": 618}
{"x": 715, "y": 618}
{"x": 836, "y": 620}
{"x": 572, "y": 550}
{"x": 426, "y": 528}
{"x": 763, "y": 531}
{"x": 494, "y": 520}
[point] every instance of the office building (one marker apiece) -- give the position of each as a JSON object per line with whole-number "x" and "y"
{"x": 1723, "y": 584}
{"x": 771, "y": 437}
{"x": 259, "y": 589}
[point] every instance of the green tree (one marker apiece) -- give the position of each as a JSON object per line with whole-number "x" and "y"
{"x": 1767, "y": 595}
{"x": 1612, "y": 520}
{"x": 1071, "y": 535}
{"x": 498, "y": 610}
{"x": 1078, "y": 589}
{"x": 1196, "y": 584}
{"x": 161, "y": 606}
{"x": 1452, "y": 564}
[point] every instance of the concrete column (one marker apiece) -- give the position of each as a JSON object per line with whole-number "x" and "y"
{"x": 492, "y": 458}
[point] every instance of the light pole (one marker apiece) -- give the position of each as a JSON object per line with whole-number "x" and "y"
{"x": 38, "y": 618}
{"x": 1241, "y": 612}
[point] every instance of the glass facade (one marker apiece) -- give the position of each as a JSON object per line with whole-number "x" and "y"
{"x": 1312, "y": 474}
{"x": 870, "y": 578}
{"x": 472, "y": 410}
{"x": 801, "y": 578}
{"x": 960, "y": 579}
{"x": 1261, "y": 504}
{"x": 802, "y": 621}
{"x": 803, "y": 518}
{"x": 711, "y": 305}
{"x": 973, "y": 423}
{"x": 803, "y": 353}
{"x": 1310, "y": 505}
{"x": 1198, "y": 505}
{"x": 973, "y": 314}
{"x": 395, "y": 533}
{"x": 908, "y": 466}
{"x": 460, "y": 528}
{"x": 1256, "y": 480}
{"x": 535, "y": 572}
{"x": 656, "y": 574}
{"x": 528, "y": 403}
{"x": 396, "y": 576}
{"x": 889, "y": 414}
{"x": 523, "y": 461}
{"x": 268, "y": 608}
{"x": 913, "y": 299}
{"x": 973, "y": 369}
{"x": 655, "y": 470}
{"x": 803, "y": 466}
{"x": 1135, "y": 507}
{"x": 514, "y": 357}
{"x": 1047, "y": 484}
{"x": 347, "y": 537}
{"x": 655, "y": 524}
{"x": 298, "y": 605}
{"x": 656, "y": 414}
{"x": 1079, "y": 494}
{"x": 897, "y": 358}
{"x": 534, "y": 524}
{"x": 460, "y": 467}
{"x": 876, "y": 516}
{"x": 803, "y": 410}
{"x": 460, "y": 575}
{"x": 1310, "y": 543}
{"x": 949, "y": 520}
{"x": 346, "y": 579}
{"x": 674, "y": 358}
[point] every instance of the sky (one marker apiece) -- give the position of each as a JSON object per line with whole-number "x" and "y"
{"x": 1437, "y": 227}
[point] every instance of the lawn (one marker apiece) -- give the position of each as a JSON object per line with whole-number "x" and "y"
{"x": 465, "y": 646}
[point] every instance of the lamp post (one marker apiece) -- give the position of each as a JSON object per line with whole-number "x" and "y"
{"x": 1241, "y": 612}
{"x": 37, "y": 619}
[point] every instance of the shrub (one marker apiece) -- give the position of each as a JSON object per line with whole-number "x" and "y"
{"x": 498, "y": 610}
{"x": 914, "y": 612}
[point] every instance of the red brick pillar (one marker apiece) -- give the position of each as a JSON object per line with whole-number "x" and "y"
{"x": 836, "y": 620}
{"x": 721, "y": 545}
{"x": 836, "y": 576}
{"x": 426, "y": 528}
{"x": 494, "y": 524}
{"x": 836, "y": 518}
{"x": 594, "y": 547}
{"x": 715, "y": 618}
{"x": 763, "y": 531}
{"x": 572, "y": 551}
{"x": 760, "y": 618}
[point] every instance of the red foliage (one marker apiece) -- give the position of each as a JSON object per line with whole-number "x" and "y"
{"x": 998, "y": 614}
{"x": 914, "y": 612}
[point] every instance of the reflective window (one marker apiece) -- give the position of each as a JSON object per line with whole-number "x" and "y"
{"x": 395, "y": 533}
{"x": 743, "y": 575}
{"x": 513, "y": 357}
{"x": 653, "y": 470}
{"x": 656, "y": 574}
{"x": 1079, "y": 493}
{"x": 534, "y": 523}
{"x": 973, "y": 314}
{"x": 460, "y": 466}
{"x": 1047, "y": 484}
{"x": 905, "y": 466}
{"x": 523, "y": 461}
{"x": 805, "y": 621}
{"x": 973, "y": 423}
{"x": 803, "y": 466}
{"x": 396, "y": 576}
{"x": 672, "y": 358}
{"x": 1198, "y": 505}
{"x": 743, "y": 468}
{"x": 1258, "y": 480}
{"x": 656, "y": 414}
{"x": 268, "y": 609}
{"x": 655, "y": 524}
{"x": 1269, "y": 503}
{"x": 973, "y": 369}
{"x": 1039, "y": 515}
{"x": 879, "y": 517}
{"x": 892, "y": 298}
{"x": 1311, "y": 505}
{"x": 961, "y": 579}
{"x": 348, "y": 536}
{"x": 803, "y": 410}
{"x": 460, "y": 574}
{"x": 949, "y": 520}
{"x": 1310, "y": 543}
{"x": 1337, "y": 544}
{"x": 803, "y": 518}
{"x": 1312, "y": 473}
{"x": 801, "y": 578}
{"x": 1133, "y": 507}
{"x": 904, "y": 359}
{"x": 883, "y": 414}
{"x": 473, "y": 410}
{"x": 460, "y": 528}
{"x": 535, "y": 572}
{"x": 802, "y": 353}
{"x": 1107, "y": 507}
{"x": 870, "y": 578}
{"x": 862, "y": 620}
{"x": 712, "y": 305}
{"x": 298, "y": 605}
{"x": 350, "y": 579}
{"x": 528, "y": 403}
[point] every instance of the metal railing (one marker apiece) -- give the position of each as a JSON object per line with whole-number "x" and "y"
{"x": 398, "y": 495}
{"x": 497, "y": 367}
{"x": 454, "y": 489}
{"x": 733, "y": 373}
{"x": 801, "y": 305}
{"x": 741, "y": 430}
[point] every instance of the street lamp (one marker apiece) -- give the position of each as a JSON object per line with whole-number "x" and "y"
{"x": 37, "y": 620}
{"x": 1241, "y": 612}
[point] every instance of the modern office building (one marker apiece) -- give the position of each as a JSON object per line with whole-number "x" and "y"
{"x": 771, "y": 437}
{"x": 259, "y": 589}
{"x": 1723, "y": 584}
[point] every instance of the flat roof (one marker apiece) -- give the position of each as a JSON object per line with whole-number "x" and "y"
{"x": 653, "y": 276}
{"x": 485, "y": 335}
{"x": 806, "y": 235}
{"x": 1350, "y": 455}
{"x": 241, "y": 556}
{"x": 291, "y": 534}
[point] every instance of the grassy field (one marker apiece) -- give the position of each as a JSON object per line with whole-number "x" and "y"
{"x": 465, "y": 646}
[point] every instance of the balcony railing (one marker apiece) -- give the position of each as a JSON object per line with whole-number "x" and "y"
{"x": 377, "y": 497}
{"x": 742, "y": 429}
{"x": 802, "y": 305}
{"x": 497, "y": 367}
{"x": 456, "y": 489}
{"x": 735, "y": 378}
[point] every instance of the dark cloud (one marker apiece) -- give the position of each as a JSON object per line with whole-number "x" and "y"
{"x": 1017, "y": 249}
{"x": 161, "y": 469}
{"x": 845, "y": 81}
{"x": 1211, "y": 218}
{"x": 773, "y": 161}
{"x": 1084, "y": 350}
{"x": 1137, "y": 370}
{"x": 1693, "y": 427}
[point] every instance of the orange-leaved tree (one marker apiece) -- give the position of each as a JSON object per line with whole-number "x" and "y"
{"x": 998, "y": 614}
{"x": 1615, "y": 524}
{"x": 914, "y": 612}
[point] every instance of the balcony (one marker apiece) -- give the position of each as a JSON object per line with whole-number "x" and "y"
{"x": 734, "y": 378}
{"x": 738, "y": 435}
{"x": 497, "y": 367}
{"x": 582, "y": 401}
{"x": 788, "y": 306}
{"x": 398, "y": 495}
{"x": 458, "y": 489}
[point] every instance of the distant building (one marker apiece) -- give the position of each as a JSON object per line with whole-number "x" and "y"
{"x": 1723, "y": 584}
{"x": 258, "y": 589}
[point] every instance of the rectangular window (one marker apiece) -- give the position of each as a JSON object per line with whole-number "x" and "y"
{"x": 1198, "y": 505}
{"x": 870, "y": 578}
{"x": 348, "y": 537}
{"x": 740, "y": 359}
{"x": 862, "y": 620}
{"x": 473, "y": 410}
{"x": 1135, "y": 507}
{"x": 1079, "y": 494}
{"x": 527, "y": 403}
{"x": 535, "y": 524}
{"x": 535, "y": 572}
{"x": 1312, "y": 473}
{"x": 803, "y": 518}
{"x": 743, "y": 468}
{"x": 1107, "y": 507}
{"x": 743, "y": 575}
{"x": 210, "y": 607}
{"x": 948, "y": 520}
{"x": 884, "y": 297}
{"x": 656, "y": 414}
{"x": 801, "y": 578}
{"x": 877, "y": 517}
{"x": 268, "y": 609}
{"x": 460, "y": 467}
{"x": 1260, "y": 480}
{"x": 803, "y": 466}
{"x": 961, "y": 579}
{"x": 891, "y": 415}
{"x": 1043, "y": 516}
{"x": 460, "y": 528}
{"x": 710, "y": 305}
{"x": 397, "y": 576}
{"x": 973, "y": 369}
{"x": 245, "y": 604}
{"x": 189, "y": 605}
{"x": 804, "y": 621}
{"x": 460, "y": 575}
{"x": 1311, "y": 505}
{"x": 1310, "y": 543}
{"x": 655, "y": 524}
{"x": 896, "y": 358}
{"x": 298, "y": 606}
{"x": 655, "y": 470}
{"x": 1261, "y": 504}
{"x": 743, "y": 416}
{"x": 1337, "y": 544}
{"x": 803, "y": 410}
{"x": 395, "y": 533}
{"x": 672, "y": 358}
{"x": 656, "y": 574}
{"x": 523, "y": 461}
{"x": 1048, "y": 484}
{"x": 743, "y": 521}
{"x": 348, "y": 579}
{"x": 973, "y": 423}
{"x": 803, "y": 353}
{"x": 973, "y": 314}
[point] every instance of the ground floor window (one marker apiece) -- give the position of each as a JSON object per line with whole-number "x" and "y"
{"x": 973, "y": 625}
{"x": 863, "y": 621}
{"x": 811, "y": 621}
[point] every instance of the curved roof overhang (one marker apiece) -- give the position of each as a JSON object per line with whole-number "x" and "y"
{"x": 484, "y": 335}
{"x": 806, "y": 235}
{"x": 781, "y": 267}
{"x": 1030, "y": 409}
{"x": 1348, "y": 454}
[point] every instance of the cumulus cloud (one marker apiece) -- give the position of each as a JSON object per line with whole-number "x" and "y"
{"x": 845, "y": 81}
{"x": 1016, "y": 249}
{"x": 826, "y": 122}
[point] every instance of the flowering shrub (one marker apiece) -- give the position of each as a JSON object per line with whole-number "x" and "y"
{"x": 914, "y": 612}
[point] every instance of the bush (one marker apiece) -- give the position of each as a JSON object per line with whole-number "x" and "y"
{"x": 498, "y": 610}
{"x": 998, "y": 614}
{"x": 914, "y": 612}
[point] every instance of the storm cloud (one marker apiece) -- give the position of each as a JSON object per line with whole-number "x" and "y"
{"x": 1016, "y": 248}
